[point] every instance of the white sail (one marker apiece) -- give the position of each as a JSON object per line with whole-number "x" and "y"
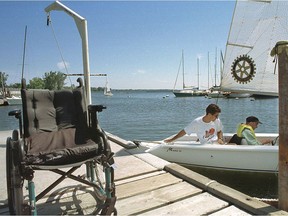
{"x": 107, "y": 89}
{"x": 255, "y": 29}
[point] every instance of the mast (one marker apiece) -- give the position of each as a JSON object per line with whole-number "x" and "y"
{"x": 81, "y": 24}
{"x": 208, "y": 70}
{"x": 221, "y": 66}
{"x": 215, "y": 67}
{"x": 183, "y": 69}
{"x": 198, "y": 75}
{"x": 24, "y": 51}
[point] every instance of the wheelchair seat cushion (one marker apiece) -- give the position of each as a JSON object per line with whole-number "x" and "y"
{"x": 55, "y": 127}
{"x": 58, "y": 148}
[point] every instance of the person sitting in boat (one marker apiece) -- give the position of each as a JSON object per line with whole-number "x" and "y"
{"x": 208, "y": 127}
{"x": 246, "y": 132}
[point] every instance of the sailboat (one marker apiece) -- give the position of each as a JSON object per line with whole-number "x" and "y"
{"x": 255, "y": 28}
{"x": 214, "y": 91}
{"x": 248, "y": 68}
{"x": 187, "y": 91}
{"x": 107, "y": 89}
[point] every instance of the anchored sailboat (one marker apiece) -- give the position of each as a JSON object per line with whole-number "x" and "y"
{"x": 107, "y": 89}
{"x": 187, "y": 91}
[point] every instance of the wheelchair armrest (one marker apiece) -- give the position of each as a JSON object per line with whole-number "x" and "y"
{"x": 92, "y": 114}
{"x": 96, "y": 108}
{"x": 16, "y": 113}
{"x": 98, "y": 132}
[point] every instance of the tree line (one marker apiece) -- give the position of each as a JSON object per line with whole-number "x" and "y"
{"x": 53, "y": 80}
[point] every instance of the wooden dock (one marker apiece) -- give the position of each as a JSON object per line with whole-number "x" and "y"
{"x": 145, "y": 185}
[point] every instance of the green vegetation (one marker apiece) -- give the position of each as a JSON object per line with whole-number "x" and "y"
{"x": 52, "y": 80}
{"x": 36, "y": 83}
{"x": 97, "y": 89}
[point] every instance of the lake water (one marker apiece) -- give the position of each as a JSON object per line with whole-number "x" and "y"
{"x": 155, "y": 115}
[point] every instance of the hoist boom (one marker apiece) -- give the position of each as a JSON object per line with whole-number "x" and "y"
{"x": 81, "y": 24}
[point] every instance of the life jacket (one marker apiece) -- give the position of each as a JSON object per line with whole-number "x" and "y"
{"x": 242, "y": 127}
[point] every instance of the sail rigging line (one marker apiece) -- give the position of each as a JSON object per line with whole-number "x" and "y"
{"x": 49, "y": 23}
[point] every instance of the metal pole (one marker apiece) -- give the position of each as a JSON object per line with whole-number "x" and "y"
{"x": 281, "y": 49}
{"x": 81, "y": 24}
{"x": 86, "y": 67}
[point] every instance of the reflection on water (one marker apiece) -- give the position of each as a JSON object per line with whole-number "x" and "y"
{"x": 260, "y": 185}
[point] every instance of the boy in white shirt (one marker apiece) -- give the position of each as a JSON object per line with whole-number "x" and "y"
{"x": 208, "y": 128}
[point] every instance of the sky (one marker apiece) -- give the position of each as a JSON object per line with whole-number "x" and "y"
{"x": 137, "y": 43}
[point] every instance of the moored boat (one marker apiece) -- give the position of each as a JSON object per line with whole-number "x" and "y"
{"x": 14, "y": 100}
{"x": 247, "y": 158}
{"x": 187, "y": 91}
{"x": 107, "y": 89}
{"x": 237, "y": 95}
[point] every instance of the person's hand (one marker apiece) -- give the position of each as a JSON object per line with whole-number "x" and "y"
{"x": 267, "y": 141}
{"x": 220, "y": 141}
{"x": 167, "y": 140}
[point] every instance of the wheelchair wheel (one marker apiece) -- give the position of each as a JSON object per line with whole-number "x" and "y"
{"x": 14, "y": 180}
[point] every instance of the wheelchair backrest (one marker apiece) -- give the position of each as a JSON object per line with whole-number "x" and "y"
{"x": 47, "y": 110}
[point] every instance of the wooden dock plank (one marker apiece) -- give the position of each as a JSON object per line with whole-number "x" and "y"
{"x": 156, "y": 198}
{"x": 226, "y": 193}
{"x": 230, "y": 211}
{"x": 138, "y": 177}
{"x": 125, "y": 166}
{"x": 201, "y": 204}
{"x": 145, "y": 185}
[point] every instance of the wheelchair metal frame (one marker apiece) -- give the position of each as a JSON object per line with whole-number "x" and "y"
{"x": 18, "y": 171}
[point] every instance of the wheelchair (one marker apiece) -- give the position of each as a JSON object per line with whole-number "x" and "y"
{"x": 58, "y": 131}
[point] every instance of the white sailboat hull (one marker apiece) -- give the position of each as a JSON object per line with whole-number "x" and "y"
{"x": 216, "y": 94}
{"x": 238, "y": 95}
{"x": 14, "y": 100}
{"x": 225, "y": 157}
{"x": 108, "y": 94}
{"x": 188, "y": 93}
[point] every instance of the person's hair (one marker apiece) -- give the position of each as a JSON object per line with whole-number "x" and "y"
{"x": 212, "y": 109}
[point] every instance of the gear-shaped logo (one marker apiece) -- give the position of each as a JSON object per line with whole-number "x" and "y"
{"x": 243, "y": 69}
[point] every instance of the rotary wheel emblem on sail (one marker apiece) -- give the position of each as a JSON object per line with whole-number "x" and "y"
{"x": 243, "y": 69}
